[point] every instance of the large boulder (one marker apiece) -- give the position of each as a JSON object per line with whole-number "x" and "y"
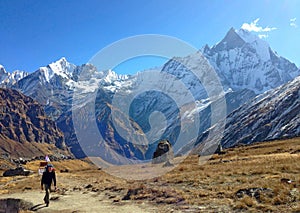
{"x": 16, "y": 172}
{"x": 163, "y": 153}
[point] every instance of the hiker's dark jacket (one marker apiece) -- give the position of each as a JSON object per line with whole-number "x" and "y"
{"x": 48, "y": 177}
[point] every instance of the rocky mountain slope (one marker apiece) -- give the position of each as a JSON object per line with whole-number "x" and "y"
{"x": 24, "y": 124}
{"x": 274, "y": 114}
{"x": 112, "y": 146}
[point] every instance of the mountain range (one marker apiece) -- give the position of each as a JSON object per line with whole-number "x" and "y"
{"x": 251, "y": 73}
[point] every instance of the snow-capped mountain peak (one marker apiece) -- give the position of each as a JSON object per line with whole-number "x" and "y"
{"x": 62, "y": 67}
{"x": 111, "y": 76}
{"x": 18, "y": 75}
{"x": 230, "y": 41}
{"x": 7, "y": 78}
{"x": 240, "y": 38}
{"x": 244, "y": 61}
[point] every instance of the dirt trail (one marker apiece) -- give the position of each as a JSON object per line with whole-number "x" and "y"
{"x": 79, "y": 202}
{"x": 81, "y": 190}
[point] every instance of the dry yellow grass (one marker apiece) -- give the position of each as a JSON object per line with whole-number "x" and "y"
{"x": 260, "y": 165}
{"x": 210, "y": 187}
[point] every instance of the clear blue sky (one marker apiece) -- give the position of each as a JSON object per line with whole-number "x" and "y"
{"x": 34, "y": 33}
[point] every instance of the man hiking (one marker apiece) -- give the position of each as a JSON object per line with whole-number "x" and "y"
{"x": 47, "y": 178}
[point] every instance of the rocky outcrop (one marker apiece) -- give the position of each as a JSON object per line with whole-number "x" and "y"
{"x": 254, "y": 192}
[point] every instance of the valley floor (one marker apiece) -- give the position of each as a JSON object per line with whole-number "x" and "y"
{"x": 265, "y": 175}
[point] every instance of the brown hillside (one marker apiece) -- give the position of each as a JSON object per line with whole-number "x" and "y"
{"x": 24, "y": 126}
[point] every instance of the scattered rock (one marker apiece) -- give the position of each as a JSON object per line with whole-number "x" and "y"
{"x": 130, "y": 192}
{"x": 62, "y": 191}
{"x": 286, "y": 180}
{"x": 20, "y": 161}
{"x": 95, "y": 190}
{"x": 254, "y": 192}
{"x": 88, "y": 186}
{"x": 77, "y": 188}
{"x": 168, "y": 164}
{"x": 112, "y": 196}
{"x": 27, "y": 188}
{"x": 113, "y": 189}
{"x": 64, "y": 170}
{"x": 296, "y": 151}
{"x": 54, "y": 198}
